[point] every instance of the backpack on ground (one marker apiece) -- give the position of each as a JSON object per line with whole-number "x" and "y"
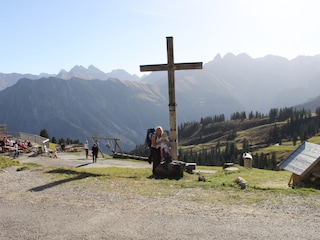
{"x": 150, "y": 133}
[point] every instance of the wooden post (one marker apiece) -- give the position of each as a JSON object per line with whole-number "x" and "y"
{"x": 171, "y": 67}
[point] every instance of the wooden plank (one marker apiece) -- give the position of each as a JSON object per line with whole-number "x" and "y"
{"x": 165, "y": 67}
{"x": 188, "y": 66}
{"x": 154, "y": 68}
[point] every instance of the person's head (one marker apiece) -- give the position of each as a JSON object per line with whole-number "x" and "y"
{"x": 159, "y": 131}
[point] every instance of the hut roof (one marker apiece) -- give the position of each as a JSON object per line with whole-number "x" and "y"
{"x": 247, "y": 155}
{"x": 302, "y": 159}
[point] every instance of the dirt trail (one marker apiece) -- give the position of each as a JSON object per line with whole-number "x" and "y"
{"x": 34, "y": 205}
{"x": 78, "y": 160}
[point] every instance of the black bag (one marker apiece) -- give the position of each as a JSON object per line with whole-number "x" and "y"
{"x": 150, "y": 133}
{"x": 172, "y": 170}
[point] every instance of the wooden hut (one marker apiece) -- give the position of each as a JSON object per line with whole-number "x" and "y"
{"x": 304, "y": 163}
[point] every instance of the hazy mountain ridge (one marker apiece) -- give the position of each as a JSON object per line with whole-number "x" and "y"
{"x": 262, "y": 83}
{"x": 94, "y": 73}
{"x": 9, "y": 79}
{"x": 90, "y": 73}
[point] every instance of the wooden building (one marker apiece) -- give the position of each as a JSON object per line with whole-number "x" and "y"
{"x": 304, "y": 163}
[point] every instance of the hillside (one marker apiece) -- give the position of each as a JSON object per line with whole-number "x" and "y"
{"x": 255, "y": 130}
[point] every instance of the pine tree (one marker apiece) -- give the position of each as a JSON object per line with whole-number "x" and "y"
{"x": 53, "y": 140}
{"x": 44, "y": 133}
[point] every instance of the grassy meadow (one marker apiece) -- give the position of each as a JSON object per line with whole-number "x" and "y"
{"x": 219, "y": 185}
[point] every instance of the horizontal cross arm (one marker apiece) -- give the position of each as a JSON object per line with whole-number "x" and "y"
{"x": 152, "y": 68}
{"x": 188, "y": 66}
{"x": 165, "y": 67}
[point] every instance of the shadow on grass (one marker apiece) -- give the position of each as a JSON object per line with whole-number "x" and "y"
{"x": 82, "y": 165}
{"x": 76, "y": 176}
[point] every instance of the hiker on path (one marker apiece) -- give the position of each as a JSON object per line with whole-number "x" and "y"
{"x": 95, "y": 151}
{"x": 16, "y": 150}
{"x": 86, "y": 148}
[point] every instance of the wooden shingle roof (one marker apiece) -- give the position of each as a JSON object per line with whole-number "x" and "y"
{"x": 302, "y": 159}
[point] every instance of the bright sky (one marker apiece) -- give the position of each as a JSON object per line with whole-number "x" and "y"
{"x": 49, "y": 35}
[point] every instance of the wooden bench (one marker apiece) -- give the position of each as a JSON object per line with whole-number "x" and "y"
{"x": 8, "y": 150}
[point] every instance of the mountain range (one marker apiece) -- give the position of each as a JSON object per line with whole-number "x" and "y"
{"x": 86, "y": 101}
{"x": 7, "y": 80}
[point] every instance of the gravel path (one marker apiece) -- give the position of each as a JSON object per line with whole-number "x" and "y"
{"x": 33, "y": 206}
{"x": 78, "y": 160}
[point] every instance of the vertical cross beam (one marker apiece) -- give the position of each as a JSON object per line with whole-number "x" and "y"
{"x": 171, "y": 67}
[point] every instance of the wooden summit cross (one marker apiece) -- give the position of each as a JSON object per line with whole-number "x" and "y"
{"x": 171, "y": 67}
